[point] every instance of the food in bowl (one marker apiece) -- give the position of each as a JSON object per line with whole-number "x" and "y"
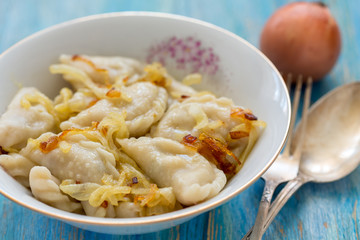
{"x": 127, "y": 141}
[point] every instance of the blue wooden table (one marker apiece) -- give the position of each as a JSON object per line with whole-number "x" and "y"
{"x": 316, "y": 211}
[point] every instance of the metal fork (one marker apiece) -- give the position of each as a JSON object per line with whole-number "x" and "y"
{"x": 286, "y": 166}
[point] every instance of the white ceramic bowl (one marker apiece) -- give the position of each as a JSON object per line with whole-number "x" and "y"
{"x": 231, "y": 66}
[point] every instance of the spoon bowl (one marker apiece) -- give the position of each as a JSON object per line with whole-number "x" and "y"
{"x": 331, "y": 149}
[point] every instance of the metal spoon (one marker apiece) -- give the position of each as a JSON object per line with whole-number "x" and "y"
{"x": 332, "y": 143}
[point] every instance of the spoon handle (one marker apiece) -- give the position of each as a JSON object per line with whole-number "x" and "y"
{"x": 290, "y": 188}
{"x": 263, "y": 209}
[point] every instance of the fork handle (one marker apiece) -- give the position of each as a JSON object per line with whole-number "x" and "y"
{"x": 290, "y": 188}
{"x": 263, "y": 210}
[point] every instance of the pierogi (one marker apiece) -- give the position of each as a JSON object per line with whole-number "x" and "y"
{"x": 128, "y": 140}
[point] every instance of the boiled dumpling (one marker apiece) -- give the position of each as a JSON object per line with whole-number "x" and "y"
{"x": 95, "y": 113}
{"x": 147, "y": 107}
{"x": 75, "y": 157}
{"x": 194, "y": 114}
{"x": 171, "y": 164}
{"x": 129, "y": 210}
{"x": 210, "y": 115}
{"x": 17, "y": 166}
{"x": 27, "y": 116}
{"x": 45, "y": 188}
{"x": 102, "y": 69}
{"x": 101, "y": 211}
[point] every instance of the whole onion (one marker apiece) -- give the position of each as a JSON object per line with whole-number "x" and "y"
{"x": 302, "y": 38}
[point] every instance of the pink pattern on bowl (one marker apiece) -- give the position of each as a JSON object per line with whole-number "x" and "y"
{"x": 187, "y": 53}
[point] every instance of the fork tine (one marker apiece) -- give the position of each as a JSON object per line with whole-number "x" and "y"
{"x": 288, "y": 81}
{"x": 298, "y": 148}
{"x": 295, "y": 106}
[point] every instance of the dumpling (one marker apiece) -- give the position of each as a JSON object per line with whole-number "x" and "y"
{"x": 17, "y": 166}
{"x": 193, "y": 115}
{"x": 102, "y": 69}
{"x": 27, "y": 116}
{"x": 95, "y": 113}
{"x": 74, "y": 157}
{"x": 171, "y": 164}
{"x": 129, "y": 210}
{"x": 147, "y": 107}
{"x": 219, "y": 118}
{"x": 101, "y": 211}
{"x": 45, "y": 188}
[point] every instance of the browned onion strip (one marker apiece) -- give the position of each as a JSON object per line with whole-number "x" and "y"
{"x": 93, "y": 66}
{"x": 238, "y": 134}
{"x": 2, "y": 151}
{"x": 242, "y": 113}
{"x": 213, "y": 150}
{"x": 53, "y": 141}
{"x": 113, "y": 93}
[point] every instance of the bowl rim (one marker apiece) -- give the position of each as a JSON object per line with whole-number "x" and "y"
{"x": 188, "y": 212}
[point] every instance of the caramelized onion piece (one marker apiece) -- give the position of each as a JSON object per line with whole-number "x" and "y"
{"x": 242, "y": 113}
{"x": 93, "y": 66}
{"x": 238, "y": 134}
{"x": 184, "y": 96}
{"x": 213, "y": 150}
{"x": 144, "y": 200}
{"x": 190, "y": 140}
{"x": 2, "y": 151}
{"x": 92, "y": 103}
{"x": 53, "y": 141}
{"x": 105, "y": 204}
{"x": 125, "y": 79}
{"x": 156, "y": 74}
{"x": 218, "y": 153}
{"x": 135, "y": 180}
{"x": 50, "y": 144}
{"x": 88, "y": 62}
{"x": 113, "y": 93}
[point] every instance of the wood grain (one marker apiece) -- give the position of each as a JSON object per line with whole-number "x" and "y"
{"x": 316, "y": 211}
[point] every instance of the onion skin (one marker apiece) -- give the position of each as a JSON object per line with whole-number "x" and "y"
{"x": 302, "y": 38}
